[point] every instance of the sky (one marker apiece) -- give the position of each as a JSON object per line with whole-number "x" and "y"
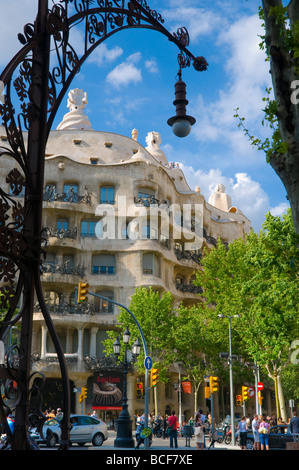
{"x": 129, "y": 80}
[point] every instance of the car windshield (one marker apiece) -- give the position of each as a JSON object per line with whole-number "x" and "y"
{"x": 279, "y": 430}
{"x": 52, "y": 422}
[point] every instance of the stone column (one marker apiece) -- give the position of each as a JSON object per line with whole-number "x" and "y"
{"x": 93, "y": 342}
{"x": 80, "y": 344}
{"x": 44, "y": 341}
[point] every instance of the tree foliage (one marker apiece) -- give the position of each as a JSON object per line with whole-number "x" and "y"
{"x": 281, "y": 45}
{"x": 257, "y": 278}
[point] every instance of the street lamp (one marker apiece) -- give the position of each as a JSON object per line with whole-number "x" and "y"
{"x": 230, "y": 358}
{"x": 181, "y": 123}
{"x": 124, "y": 423}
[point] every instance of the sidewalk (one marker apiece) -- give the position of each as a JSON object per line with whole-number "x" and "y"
{"x": 163, "y": 444}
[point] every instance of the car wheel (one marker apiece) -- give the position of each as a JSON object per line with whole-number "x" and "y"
{"x": 249, "y": 444}
{"x": 98, "y": 439}
{"x": 51, "y": 440}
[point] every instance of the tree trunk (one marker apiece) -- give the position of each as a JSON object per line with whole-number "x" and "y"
{"x": 283, "y": 75}
{"x": 283, "y": 412}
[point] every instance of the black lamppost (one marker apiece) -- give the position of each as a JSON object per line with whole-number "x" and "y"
{"x": 124, "y": 423}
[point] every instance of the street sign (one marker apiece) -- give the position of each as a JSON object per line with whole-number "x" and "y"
{"x": 251, "y": 392}
{"x": 148, "y": 363}
{"x": 260, "y": 386}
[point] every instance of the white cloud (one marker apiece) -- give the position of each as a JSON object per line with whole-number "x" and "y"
{"x": 279, "y": 209}
{"x": 126, "y": 72}
{"x": 246, "y": 194}
{"x": 152, "y": 65}
{"x": 248, "y": 77}
{"x": 102, "y": 54}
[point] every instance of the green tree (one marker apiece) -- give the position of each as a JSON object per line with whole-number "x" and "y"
{"x": 155, "y": 314}
{"x": 257, "y": 278}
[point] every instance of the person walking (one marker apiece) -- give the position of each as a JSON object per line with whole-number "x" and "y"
{"x": 165, "y": 426}
{"x": 199, "y": 432}
{"x": 264, "y": 429}
{"x": 242, "y": 428}
{"x": 294, "y": 425}
{"x": 256, "y": 434}
{"x": 172, "y": 430}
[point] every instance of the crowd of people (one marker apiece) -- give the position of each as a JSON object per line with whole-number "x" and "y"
{"x": 260, "y": 427}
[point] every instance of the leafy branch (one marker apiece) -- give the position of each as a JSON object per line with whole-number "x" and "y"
{"x": 275, "y": 147}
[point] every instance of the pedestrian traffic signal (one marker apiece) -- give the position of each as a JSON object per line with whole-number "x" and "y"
{"x": 245, "y": 393}
{"x": 83, "y": 394}
{"x": 207, "y": 392}
{"x": 139, "y": 389}
{"x": 214, "y": 384}
{"x": 82, "y": 291}
{"x": 154, "y": 377}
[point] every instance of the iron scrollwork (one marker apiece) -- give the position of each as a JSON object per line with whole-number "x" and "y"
{"x": 34, "y": 84}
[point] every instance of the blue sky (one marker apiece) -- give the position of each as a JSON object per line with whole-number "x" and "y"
{"x": 130, "y": 80}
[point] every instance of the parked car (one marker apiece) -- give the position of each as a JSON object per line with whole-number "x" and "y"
{"x": 84, "y": 429}
{"x": 278, "y": 437}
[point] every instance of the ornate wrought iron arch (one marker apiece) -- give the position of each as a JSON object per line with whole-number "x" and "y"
{"x": 39, "y": 90}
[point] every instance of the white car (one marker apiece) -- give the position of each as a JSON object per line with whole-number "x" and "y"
{"x": 84, "y": 429}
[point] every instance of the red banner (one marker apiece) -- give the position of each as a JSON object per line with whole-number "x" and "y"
{"x": 186, "y": 387}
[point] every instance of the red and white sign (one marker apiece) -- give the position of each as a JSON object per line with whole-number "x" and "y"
{"x": 251, "y": 392}
{"x": 260, "y": 386}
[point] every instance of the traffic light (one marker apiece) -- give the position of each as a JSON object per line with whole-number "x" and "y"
{"x": 139, "y": 389}
{"x": 154, "y": 377}
{"x": 214, "y": 384}
{"x": 239, "y": 400}
{"x": 207, "y": 392}
{"x": 244, "y": 393}
{"x": 83, "y": 394}
{"x": 260, "y": 398}
{"x": 82, "y": 291}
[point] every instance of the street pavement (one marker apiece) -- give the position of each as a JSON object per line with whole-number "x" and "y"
{"x": 163, "y": 444}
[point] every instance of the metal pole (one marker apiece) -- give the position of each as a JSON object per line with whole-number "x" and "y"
{"x": 232, "y": 412}
{"x": 256, "y": 390}
{"x": 32, "y": 224}
{"x": 146, "y": 397}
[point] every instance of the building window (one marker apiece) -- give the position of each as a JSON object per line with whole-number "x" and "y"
{"x": 107, "y": 195}
{"x": 150, "y": 264}
{"x": 68, "y": 264}
{"x": 88, "y": 228}
{"x": 103, "y": 264}
{"x": 61, "y": 224}
{"x": 146, "y": 197}
{"x": 102, "y": 305}
{"x": 70, "y": 192}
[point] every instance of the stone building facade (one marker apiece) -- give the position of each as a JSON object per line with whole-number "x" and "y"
{"x": 95, "y": 184}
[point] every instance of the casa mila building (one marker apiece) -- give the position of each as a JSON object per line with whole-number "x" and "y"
{"x": 95, "y": 184}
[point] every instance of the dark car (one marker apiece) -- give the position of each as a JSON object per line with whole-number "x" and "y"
{"x": 278, "y": 437}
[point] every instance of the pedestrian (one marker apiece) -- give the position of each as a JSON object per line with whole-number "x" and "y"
{"x": 242, "y": 428}
{"x": 264, "y": 429}
{"x": 172, "y": 429}
{"x": 165, "y": 425}
{"x": 294, "y": 425}
{"x": 256, "y": 434}
{"x": 199, "y": 432}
